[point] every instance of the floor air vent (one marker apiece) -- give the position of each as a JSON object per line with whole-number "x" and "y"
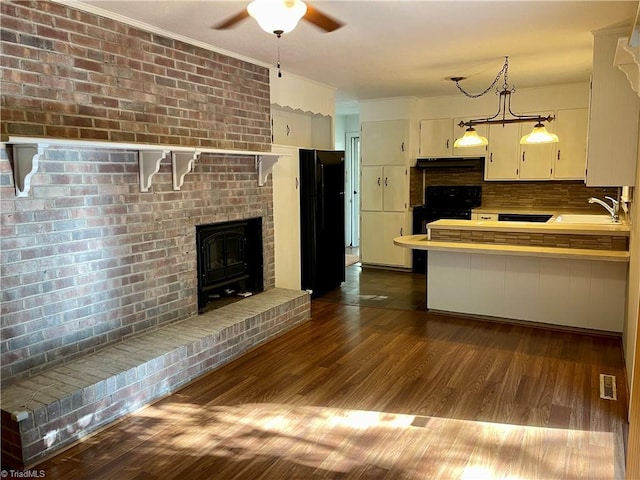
{"x": 608, "y": 389}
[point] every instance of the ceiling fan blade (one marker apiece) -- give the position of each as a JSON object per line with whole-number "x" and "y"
{"x": 231, "y": 21}
{"x": 321, "y": 20}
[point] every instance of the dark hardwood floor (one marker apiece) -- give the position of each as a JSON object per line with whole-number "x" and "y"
{"x": 380, "y": 389}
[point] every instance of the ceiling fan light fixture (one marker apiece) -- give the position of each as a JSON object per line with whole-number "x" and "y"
{"x": 280, "y": 16}
{"x": 539, "y": 134}
{"x": 470, "y": 139}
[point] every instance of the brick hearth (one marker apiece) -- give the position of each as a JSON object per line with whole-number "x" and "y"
{"x": 58, "y": 406}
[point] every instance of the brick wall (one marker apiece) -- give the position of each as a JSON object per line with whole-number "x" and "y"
{"x": 71, "y": 74}
{"x": 87, "y": 259}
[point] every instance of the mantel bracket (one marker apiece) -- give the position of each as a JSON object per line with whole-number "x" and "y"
{"x": 26, "y": 159}
{"x": 264, "y": 166}
{"x": 149, "y": 161}
{"x": 181, "y": 164}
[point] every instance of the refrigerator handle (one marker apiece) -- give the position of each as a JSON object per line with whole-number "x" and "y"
{"x": 320, "y": 204}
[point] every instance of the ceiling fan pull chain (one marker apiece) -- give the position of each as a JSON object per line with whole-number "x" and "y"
{"x": 278, "y": 63}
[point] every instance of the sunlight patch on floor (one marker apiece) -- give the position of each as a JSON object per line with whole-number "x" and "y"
{"x": 341, "y": 440}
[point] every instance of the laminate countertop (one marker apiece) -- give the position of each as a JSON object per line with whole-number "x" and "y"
{"x": 420, "y": 242}
{"x": 551, "y": 228}
{"x": 612, "y": 229}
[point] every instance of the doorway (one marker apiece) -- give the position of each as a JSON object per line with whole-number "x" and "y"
{"x": 352, "y": 190}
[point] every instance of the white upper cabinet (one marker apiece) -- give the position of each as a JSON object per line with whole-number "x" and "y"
{"x": 436, "y": 137}
{"x": 614, "y": 110}
{"x": 384, "y": 142}
{"x": 570, "y": 154}
{"x": 503, "y": 158}
{"x": 290, "y": 128}
{"x": 304, "y": 130}
{"x": 535, "y": 160}
{"x": 565, "y": 160}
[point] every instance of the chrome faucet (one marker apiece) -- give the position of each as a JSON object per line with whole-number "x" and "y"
{"x": 612, "y": 209}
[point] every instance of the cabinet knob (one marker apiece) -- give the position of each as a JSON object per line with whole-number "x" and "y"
{"x": 378, "y": 181}
{"x": 447, "y": 143}
{"x": 491, "y": 157}
{"x": 402, "y": 146}
{"x": 386, "y": 183}
{"x": 523, "y": 156}
{"x": 558, "y": 157}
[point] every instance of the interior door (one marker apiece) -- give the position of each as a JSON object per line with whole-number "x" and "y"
{"x": 352, "y": 190}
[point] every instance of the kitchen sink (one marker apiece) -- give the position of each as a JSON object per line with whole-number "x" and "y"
{"x": 587, "y": 219}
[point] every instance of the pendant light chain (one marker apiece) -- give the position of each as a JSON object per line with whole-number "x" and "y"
{"x": 504, "y": 70}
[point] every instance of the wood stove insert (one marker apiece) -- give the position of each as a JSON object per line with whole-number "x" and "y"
{"x": 229, "y": 260}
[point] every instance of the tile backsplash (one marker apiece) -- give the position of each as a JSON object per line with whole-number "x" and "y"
{"x": 568, "y": 194}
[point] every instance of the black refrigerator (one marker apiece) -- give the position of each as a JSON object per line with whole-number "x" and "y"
{"x": 322, "y": 220}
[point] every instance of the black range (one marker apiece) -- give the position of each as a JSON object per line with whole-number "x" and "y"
{"x": 450, "y": 202}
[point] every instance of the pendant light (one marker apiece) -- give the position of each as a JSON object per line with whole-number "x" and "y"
{"x": 539, "y": 134}
{"x": 503, "y": 116}
{"x": 470, "y": 139}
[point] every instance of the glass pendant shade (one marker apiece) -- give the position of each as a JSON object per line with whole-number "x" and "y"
{"x": 277, "y": 15}
{"x": 539, "y": 134}
{"x": 470, "y": 139}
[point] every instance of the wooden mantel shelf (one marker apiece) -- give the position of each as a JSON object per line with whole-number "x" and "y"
{"x": 28, "y": 150}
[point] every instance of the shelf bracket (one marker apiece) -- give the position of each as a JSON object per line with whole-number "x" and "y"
{"x": 181, "y": 164}
{"x": 149, "y": 161}
{"x": 627, "y": 59}
{"x": 26, "y": 158}
{"x": 264, "y": 166}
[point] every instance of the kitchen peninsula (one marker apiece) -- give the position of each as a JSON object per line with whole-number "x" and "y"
{"x": 567, "y": 272}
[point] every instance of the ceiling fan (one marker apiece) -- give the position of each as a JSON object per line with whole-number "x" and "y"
{"x": 281, "y": 16}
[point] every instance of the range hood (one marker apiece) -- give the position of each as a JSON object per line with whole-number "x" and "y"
{"x": 446, "y": 162}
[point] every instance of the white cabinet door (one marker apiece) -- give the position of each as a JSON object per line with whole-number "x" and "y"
{"x": 535, "y": 160}
{"x": 570, "y": 154}
{"x": 384, "y": 143}
{"x": 286, "y": 218}
{"x": 395, "y": 225}
{"x": 372, "y": 246}
{"x": 395, "y": 185}
{"x": 371, "y": 188}
{"x": 289, "y": 128}
{"x": 378, "y": 229}
{"x": 504, "y": 146}
{"x": 384, "y": 189}
{"x": 436, "y": 137}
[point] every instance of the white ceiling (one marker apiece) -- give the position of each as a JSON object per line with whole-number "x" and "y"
{"x": 404, "y": 48}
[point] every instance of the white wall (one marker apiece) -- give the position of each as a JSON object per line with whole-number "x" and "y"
{"x": 522, "y": 101}
{"x": 345, "y": 124}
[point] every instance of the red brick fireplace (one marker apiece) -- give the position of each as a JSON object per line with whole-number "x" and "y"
{"x": 92, "y": 263}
